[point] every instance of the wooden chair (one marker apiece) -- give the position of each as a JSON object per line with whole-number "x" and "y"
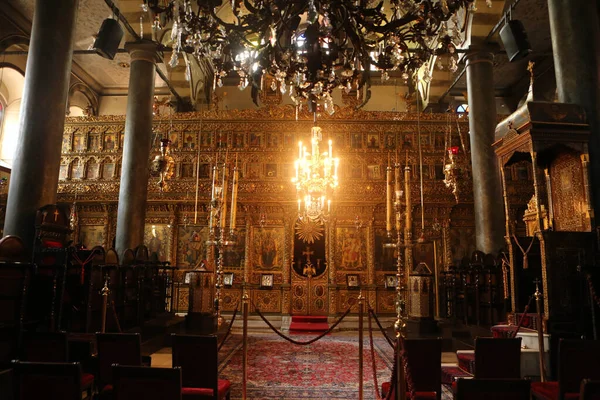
{"x": 34, "y": 381}
{"x": 133, "y": 383}
{"x": 15, "y": 280}
{"x": 115, "y": 348}
{"x": 493, "y": 389}
{"x": 497, "y": 358}
{"x": 424, "y": 358}
{"x": 45, "y": 347}
{"x": 111, "y": 258}
{"x": 51, "y": 347}
{"x": 589, "y": 390}
{"x": 12, "y": 249}
{"x": 200, "y": 380}
{"x": 577, "y": 360}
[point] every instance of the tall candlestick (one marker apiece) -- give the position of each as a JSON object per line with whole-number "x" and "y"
{"x": 407, "y": 196}
{"x": 213, "y": 221}
{"x": 299, "y": 150}
{"x": 234, "y": 192}
{"x": 224, "y": 195}
{"x": 388, "y": 203}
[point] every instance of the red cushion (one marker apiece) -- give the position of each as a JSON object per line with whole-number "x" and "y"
{"x": 86, "y": 380}
{"x": 106, "y": 392}
{"x": 193, "y": 393}
{"x": 549, "y": 391}
{"x": 385, "y": 388}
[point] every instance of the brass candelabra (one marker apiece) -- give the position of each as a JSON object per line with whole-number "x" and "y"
{"x": 219, "y": 237}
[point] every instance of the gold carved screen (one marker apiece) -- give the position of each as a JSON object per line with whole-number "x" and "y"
{"x": 264, "y": 143}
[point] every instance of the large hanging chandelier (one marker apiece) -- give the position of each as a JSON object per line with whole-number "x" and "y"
{"x": 316, "y": 178}
{"x": 311, "y": 47}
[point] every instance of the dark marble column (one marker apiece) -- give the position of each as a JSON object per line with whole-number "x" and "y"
{"x": 34, "y": 177}
{"x": 487, "y": 189}
{"x": 133, "y": 192}
{"x": 575, "y": 31}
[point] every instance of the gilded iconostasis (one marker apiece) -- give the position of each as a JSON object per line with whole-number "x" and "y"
{"x": 346, "y": 253}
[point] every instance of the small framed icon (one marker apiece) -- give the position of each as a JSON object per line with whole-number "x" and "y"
{"x": 266, "y": 281}
{"x": 391, "y": 281}
{"x": 352, "y": 281}
{"x": 228, "y": 279}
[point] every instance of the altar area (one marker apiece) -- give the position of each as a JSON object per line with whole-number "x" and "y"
{"x": 262, "y": 144}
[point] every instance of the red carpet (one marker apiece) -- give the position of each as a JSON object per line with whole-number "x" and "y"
{"x": 326, "y": 369}
{"x": 307, "y": 323}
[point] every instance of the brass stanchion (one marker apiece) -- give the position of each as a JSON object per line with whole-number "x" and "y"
{"x": 245, "y": 299}
{"x": 360, "y": 345}
{"x": 538, "y": 304}
{"x": 104, "y": 292}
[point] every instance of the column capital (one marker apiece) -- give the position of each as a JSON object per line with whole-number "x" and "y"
{"x": 481, "y": 54}
{"x": 145, "y": 50}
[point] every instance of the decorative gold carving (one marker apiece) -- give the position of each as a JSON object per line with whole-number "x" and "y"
{"x": 268, "y": 300}
{"x": 568, "y": 194}
{"x": 260, "y": 138}
{"x": 530, "y": 216}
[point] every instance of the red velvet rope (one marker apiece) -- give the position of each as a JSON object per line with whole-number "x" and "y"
{"x": 374, "y": 365}
{"x": 410, "y": 384}
{"x": 523, "y": 317}
{"x": 228, "y": 330}
{"x": 328, "y": 331}
{"x": 84, "y": 263}
{"x": 592, "y": 290}
{"x": 409, "y": 381}
{"x": 390, "y": 342}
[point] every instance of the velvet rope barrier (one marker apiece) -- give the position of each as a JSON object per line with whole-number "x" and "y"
{"x": 390, "y": 341}
{"x": 374, "y": 365}
{"x": 523, "y": 317}
{"x": 228, "y": 330}
{"x": 328, "y": 331}
{"x": 398, "y": 353}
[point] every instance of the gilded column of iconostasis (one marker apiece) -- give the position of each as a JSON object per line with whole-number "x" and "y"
{"x": 346, "y": 253}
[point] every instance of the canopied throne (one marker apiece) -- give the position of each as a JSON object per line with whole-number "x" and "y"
{"x": 549, "y": 140}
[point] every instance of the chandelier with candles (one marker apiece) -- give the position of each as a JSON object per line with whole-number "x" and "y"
{"x": 311, "y": 47}
{"x": 316, "y": 178}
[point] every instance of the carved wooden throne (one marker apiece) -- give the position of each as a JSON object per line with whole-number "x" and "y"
{"x": 558, "y": 238}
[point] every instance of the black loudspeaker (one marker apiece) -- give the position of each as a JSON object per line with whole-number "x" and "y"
{"x": 515, "y": 40}
{"x": 109, "y": 38}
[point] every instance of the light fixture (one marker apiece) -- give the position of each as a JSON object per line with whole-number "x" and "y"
{"x": 163, "y": 165}
{"x": 316, "y": 178}
{"x": 312, "y": 47}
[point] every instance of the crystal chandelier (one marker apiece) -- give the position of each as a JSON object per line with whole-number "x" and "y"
{"x": 311, "y": 47}
{"x": 316, "y": 178}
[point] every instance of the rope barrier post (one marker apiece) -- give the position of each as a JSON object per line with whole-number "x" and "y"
{"x": 538, "y": 304}
{"x": 245, "y": 299}
{"x": 104, "y": 292}
{"x": 361, "y": 306}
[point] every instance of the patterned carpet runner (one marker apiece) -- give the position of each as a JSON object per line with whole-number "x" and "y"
{"x": 326, "y": 369}
{"x": 308, "y": 323}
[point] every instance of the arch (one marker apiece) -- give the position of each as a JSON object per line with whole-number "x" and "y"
{"x": 13, "y": 40}
{"x": 83, "y": 97}
{"x": 12, "y": 81}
